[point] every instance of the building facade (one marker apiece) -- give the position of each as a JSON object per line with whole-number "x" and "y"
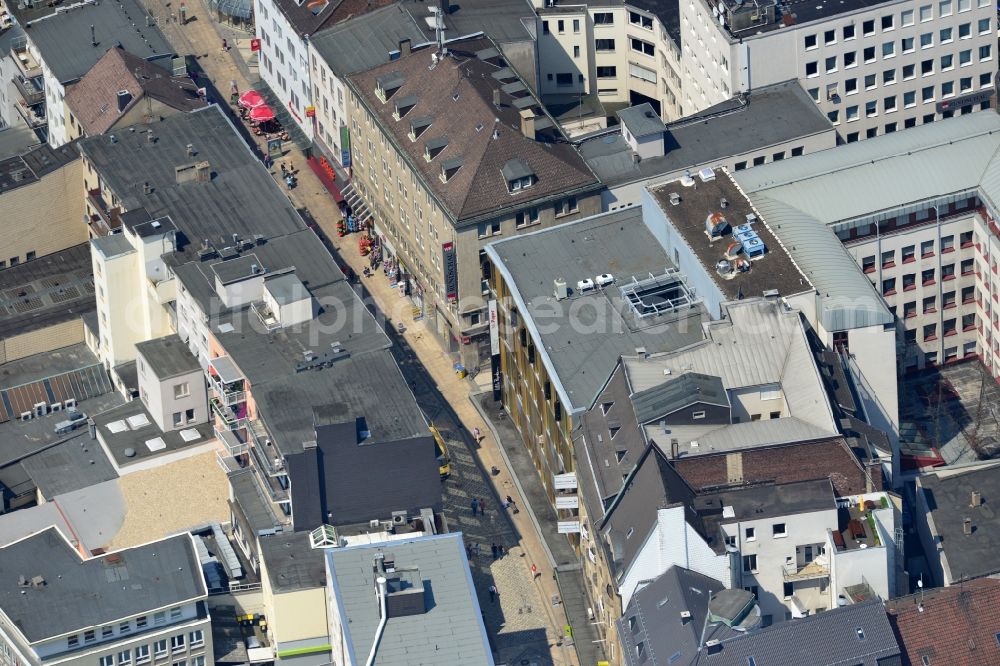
{"x": 871, "y": 70}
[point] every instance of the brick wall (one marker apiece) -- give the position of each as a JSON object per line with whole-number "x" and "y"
{"x": 53, "y": 337}
{"x": 783, "y": 464}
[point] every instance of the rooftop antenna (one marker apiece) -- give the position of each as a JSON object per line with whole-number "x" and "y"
{"x": 920, "y": 585}
{"x": 93, "y": 36}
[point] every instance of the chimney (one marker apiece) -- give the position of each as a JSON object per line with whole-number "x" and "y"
{"x": 404, "y": 48}
{"x": 496, "y": 97}
{"x": 967, "y": 526}
{"x": 528, "y": 123}
{"x": 190, "y": 150}
{"x": 675, "y": 449}
{"x": 93, "y": 36}
{"x": 976, "y": 498}
{"x": 124, "y": 97}
{"x": 149, "y": 136}
{"x": 203, "y": 172}
{"x": 146, "y": 189}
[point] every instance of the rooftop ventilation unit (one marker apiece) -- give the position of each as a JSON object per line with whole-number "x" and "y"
{"x": 716, "y": 225}
{"x": 706, "y": 175}
{"x": 584, "y": 285}
{"x": 751, "y": 218}
{"x": 561, "y": 290}
{"x": 675, "y": 199}
{"x": 744, "y": 229}
{"x": 604, "y": 280}
{"x": 687, "y": 181}
{"x": 754, "y": 247}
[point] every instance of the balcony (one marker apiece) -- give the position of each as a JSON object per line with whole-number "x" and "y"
{"x": 32, "y": 91}
{"x": 267, "y": 318}
{"x": 234, "y": 443}
{"x": 27, "y": 66}
{"x": 34, "y": 117}
{"x": 229, "y": 417}
{"x": 227, "y": 381}
{"x": 105, "y": 220}
{"x": 808, "y": 571}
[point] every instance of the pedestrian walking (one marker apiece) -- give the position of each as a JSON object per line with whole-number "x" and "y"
{"x": 477, "y": 435}
{"x": 468, "y": 551}
{"x": 535, "y": 573}
{"x": 501, "y": 551}
{"x": 284, "y": 170}
{"x": 482, "y": 507}
{"x": 510, "y": 500}
{"x": 225, "y": 45}
{"x": 475, "y": 506}
{"x": 184, "y": 14}
{"x": 493, "y": 593}
{"x": 475, "y": 549}
{"x": 493, "y": 549}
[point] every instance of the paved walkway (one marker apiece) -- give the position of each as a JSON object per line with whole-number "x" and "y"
{"x": 523, "y": 623}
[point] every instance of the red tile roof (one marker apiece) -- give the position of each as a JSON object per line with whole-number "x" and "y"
{"x": 957, "y": 627}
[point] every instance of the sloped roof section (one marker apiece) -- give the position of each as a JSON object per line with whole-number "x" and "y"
{"x": 97, "y": 100}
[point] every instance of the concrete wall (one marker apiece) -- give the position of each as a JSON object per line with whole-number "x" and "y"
{"x": 45, "y": 216}
{"x": 158, "y": 397}
{"x": 60, "y": 335}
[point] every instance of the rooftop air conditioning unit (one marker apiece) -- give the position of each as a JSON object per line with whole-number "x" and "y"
{"x": 26, "y": 416}
{"x": 675, "y": 199}
{"x": 374, "y": 524}
{"x": 561, "y": 290}
{"x": 398, "y": 517}
{"x": 584, "y": 285}
{"x": 604, "y": 280}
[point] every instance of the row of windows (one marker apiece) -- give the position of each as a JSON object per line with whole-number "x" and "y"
{"x": 849, "y": 60}
{"x": 124, "y": 627}
{"x": 142, "y": 657}
{"x": 776, "y": 157}
{"x": 908, "y": 253}
{"x": 14, "y": 261}
{"x": 888, "y": 22}
{"x": 888, "y": 78}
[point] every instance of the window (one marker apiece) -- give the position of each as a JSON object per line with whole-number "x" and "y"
{"x": 968, "y": 322}
{"x": 868, "y": 264}
{"x": 887, "y": 22}
{"x": 888, "y": 77}
{"x": 927, "y": 40}
{"x": 750, "y": 534}
{"x": 907, "y": 45}
{"x": 985, "y": 52}
{"x": 159, "y": 618}
{"x": 107, "y": 660}
{"x": 788, "y": 590}
{"x": 560, "y": 26}
{"x": 604, "y": 18}
{"x": 909, "y": 99}
{"x": 947, "y": 62}
{"x": 778, "y": 530}
{"x": 566, "y": 206}
{"x": 124, "y": 627}
{"x": 926, "y": 13}
{"x": 797, "y": 151}
{"x": 849, "y": 32}
{"x": 964, "y": 5}
{"x": 869, "y": 54}
{"x": 576, "y": 26}
{"x": 850, "y": 59}
{"x": 830, "y": 37}
{"x": 89, "y": 636}
{"x": 160, "y": 648}
{"x": 985, "y": 80}
{"x": 140, "y": 621}
{"x": 72, "y": 641}
{"x": 177, "y": 643}
{"x": 871, "y": 109}
{"x": 909, "y": 71}
{"x": 888, "y": 49}
{"x": 638, "y": 19}
{"x": 906, "y": 17}
{"x": 851, "y": 86}
{"x": 984, "y": 26}
{"x": 909, "y": 309}
{"x": 698, "y": 415}
{"x": 107, "y": 632}
{"x": 909, "y": 281}
{"x": 182, "y": 390}
{"x": 868, "y": 28}
{"x": 812, "y": 68}
{"x": 890, "y": 128}
{"x": 927, "y": 276}
{"x": 888, "y": 286}
{"x": 757, "y": 161}
{"x": 196, "y": 638}
{"x": 927, "y": 249}
{"x": 889, "y": 103}
{"x": 740, "y": 166}
{"x": 141, "y": 654}
{"x": 834, "y": 116}
{"x": 930, "y": 332}
{"x": 831, "y": 64}
{"x": 125, "y": 657}
{"x": 964, "y": 30}
{"x": 926, "y": 67}
{"x": 888, "y": 259}
{"x": 948, "y": 272}
{"x": 810, "y": 42}
{"x": 604, "y": 45}
{"x": 564, "y": 79}
{"x": 749, "y": 564}
{"x": 607, "y": 72}
{"x": 965, "y": 58}
{"x": 927, "y": 94}
{"x": 640, "y": 46}
{"x": 948, "y": 89}
{"x": 526, "y": 217}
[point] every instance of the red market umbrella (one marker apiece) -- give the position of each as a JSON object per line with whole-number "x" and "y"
{"x": 251, "y": 99}
{"x": 261, "y": 113}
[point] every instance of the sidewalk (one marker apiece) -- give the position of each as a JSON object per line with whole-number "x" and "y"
{"x": 569, "y": 571}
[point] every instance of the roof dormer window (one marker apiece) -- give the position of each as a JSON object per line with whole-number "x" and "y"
{"x": 418, "y": 126}
{"x": 387, "y": 84}
{"x": 403, "y": 106}
{"x": 449, "y": 167}
{"x": 518, "y": 175}
{"x": 434, "y": 147}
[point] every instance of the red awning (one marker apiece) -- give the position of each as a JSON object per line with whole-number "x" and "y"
{"x": 251, "y": 99}
{"x": 261, "y": 113}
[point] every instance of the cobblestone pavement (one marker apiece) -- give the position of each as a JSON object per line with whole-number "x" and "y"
{"x": 523, "y": 623}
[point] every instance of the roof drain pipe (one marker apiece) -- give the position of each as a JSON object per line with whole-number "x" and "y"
{"x": 380, "y": 582}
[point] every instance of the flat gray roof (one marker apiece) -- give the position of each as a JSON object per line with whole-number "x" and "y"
{"x": 365, "y": 41}
{"x": 112, "y": 246}
{"x": 772, "y": 115}
{"x": 46, "y": 291}
{"x": 641, "y": 120}
{"x": 78, "y": 462}
{"x": 770, "y": 501}
{"x": 131, "y": 428}
{"x": 449, "y": 633}
{"x": 168, "y": 356}
{"x": 504, "y": 21}
{"x": 88, "y": 593}
{"x": 292, "y": 563}
{"x": 239, "y": 198}
{"x": 68, "y": 48}
{"x": 32, "y": 166}
{"x": 285, "y": 289}
{"x": 588, "y": 332}
{"x": 248, "y": 496}
{"x": 948, "y": 498}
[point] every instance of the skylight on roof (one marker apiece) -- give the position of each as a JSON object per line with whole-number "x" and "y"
{"x": 658, "y": 294}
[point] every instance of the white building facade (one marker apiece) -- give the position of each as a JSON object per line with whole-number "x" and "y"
{"x": 284, "y": 61}
{"x": 872, "y": 70}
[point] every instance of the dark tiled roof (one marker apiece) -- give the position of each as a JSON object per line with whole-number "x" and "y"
{"x": 33, "y": 165}
{"x": 94, "y": 98}
{"x": 365, "y": 42}
{"x": 458, "y": 95}
{"x": 955, "y": 625}
{"x": 688, "y": 389}
{"x": 305, "y": 22}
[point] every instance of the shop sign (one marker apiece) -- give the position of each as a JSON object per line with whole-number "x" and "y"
{"x": 450, "y": 263}
{"x": 254, "y": 45}
{"x": 965, "y": 100}
{"x": 345, "y": 146}
{"x": 568, "y": 527}
{"x": 494, "y": 328}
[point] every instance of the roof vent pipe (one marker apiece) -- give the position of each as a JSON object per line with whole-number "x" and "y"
{"x": 967, "y": 526}
{"x": 976, "y": 498}
{"x": 381, "y": 583}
